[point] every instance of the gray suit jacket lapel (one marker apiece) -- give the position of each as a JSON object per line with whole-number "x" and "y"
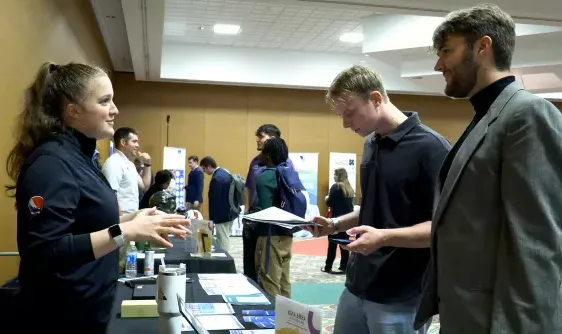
{"x": 468, "y": 148}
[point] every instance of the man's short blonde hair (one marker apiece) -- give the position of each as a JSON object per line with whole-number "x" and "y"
{"x": 358, "y": 79}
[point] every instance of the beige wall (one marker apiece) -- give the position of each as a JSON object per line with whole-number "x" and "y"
{"x": 32, "y": 32}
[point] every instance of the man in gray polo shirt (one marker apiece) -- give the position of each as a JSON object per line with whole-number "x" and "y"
{"x": 401, "y": 160}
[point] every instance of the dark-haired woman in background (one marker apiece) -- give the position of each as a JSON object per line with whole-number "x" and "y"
{"x": 340, "y": 199}
{"x": 161, "y": 182}
{"x": 69, "y": 227}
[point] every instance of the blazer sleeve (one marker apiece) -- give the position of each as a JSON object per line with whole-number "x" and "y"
{"x": 199, "y": 178}
{"x": 214, "y": 197}
{"x": 526, "y": 295}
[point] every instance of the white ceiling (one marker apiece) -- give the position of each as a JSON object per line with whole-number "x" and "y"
{"x": 264, "y": 25}
{"x": 295, "y": 43}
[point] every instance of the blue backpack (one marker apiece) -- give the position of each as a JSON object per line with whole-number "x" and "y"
{"x": 290, "y": 190}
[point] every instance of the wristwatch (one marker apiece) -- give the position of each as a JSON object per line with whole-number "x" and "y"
{"x": 116, "y": 234}
{"x": 336, "y": 223}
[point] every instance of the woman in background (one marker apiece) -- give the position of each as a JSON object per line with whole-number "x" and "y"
{"x": 162, "y": 181}
{"x": 340, "y": 200}
{"x": 69, "y": 228}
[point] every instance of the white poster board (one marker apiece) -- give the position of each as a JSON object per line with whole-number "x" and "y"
{"x": 347, "y": 161}
{"x": 174, "y": 160}
{"x": 295, "y": 317}
{"x": 306, "y": 164}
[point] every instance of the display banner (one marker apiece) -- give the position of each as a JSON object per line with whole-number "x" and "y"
{"x": 347, "y": 161}
{"x": 306, "y": 164}
{"x": 174, "y": 160}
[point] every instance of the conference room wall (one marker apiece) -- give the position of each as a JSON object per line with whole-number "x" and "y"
{"x": 221, "y": 121}
{"x": 33, "y": 32}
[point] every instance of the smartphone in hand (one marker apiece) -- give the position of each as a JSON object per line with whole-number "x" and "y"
{"x": 341, "y": 241}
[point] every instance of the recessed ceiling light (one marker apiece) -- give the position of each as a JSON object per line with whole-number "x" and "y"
{"x": 351, "y": 37}
{"x": 226, "y": 29}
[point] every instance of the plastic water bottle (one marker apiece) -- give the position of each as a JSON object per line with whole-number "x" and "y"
{"x": 131, "y": 261}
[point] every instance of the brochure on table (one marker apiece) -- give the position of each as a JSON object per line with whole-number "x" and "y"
{"x": 263, "y": 319}
{"x": 204, "y": 323}
{"x": 292, "y": 317}
{"x": 227, "y": 284}
{"x": 234, "y": 288}
{"x": 209, "y": 308}
{"x": 237, "y": 299}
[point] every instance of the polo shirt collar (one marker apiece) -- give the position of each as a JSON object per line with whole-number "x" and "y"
{"x": 121, "y": 154}
{"x": 403, "y": 129}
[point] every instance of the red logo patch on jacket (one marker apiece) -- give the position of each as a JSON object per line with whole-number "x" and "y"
{"x": 35, "y": 205}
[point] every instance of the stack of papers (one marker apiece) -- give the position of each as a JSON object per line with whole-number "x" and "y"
{"x": 209, "y": 308}
{"x": 260, "y": 318}
{"x": 205, "y": 323}
{"x": 227, "y": 284}
{"x": 219, "y": 322}
{"x": 225, "y": 277}
{"x": 234, "y": 288}
{"x": 279, "y": 217}
{"x": 256, "y": 299}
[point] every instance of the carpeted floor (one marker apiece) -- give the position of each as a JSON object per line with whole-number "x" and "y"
{"x": 310, "y": 285}
{"x": 316, "y": 293}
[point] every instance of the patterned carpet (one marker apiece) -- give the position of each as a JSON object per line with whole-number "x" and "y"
{"x": 306, "y": 269}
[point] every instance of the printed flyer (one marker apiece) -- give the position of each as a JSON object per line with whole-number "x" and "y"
{"x": 292, "y": 317}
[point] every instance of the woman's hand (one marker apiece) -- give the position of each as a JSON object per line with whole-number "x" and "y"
{"x": 148, "y": 226}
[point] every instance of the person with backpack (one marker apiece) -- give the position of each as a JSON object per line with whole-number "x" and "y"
{"x": 219, "y": 201}
{"x": 277, "y": 185}
{"x": 249, "y": 235}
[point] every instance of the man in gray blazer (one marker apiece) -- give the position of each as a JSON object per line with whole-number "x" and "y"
{"x": 496, "y": 236}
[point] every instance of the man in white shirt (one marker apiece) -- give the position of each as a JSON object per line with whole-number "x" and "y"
{"x": 121, "y": 172}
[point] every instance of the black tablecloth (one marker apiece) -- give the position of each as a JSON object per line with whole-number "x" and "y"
{"x": 194, "y": 293}
{"x": 178, "y": 254}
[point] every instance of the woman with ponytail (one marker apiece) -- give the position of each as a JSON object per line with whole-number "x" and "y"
{"x": 340, "y": 200}
{"x": 68, "y": 224}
